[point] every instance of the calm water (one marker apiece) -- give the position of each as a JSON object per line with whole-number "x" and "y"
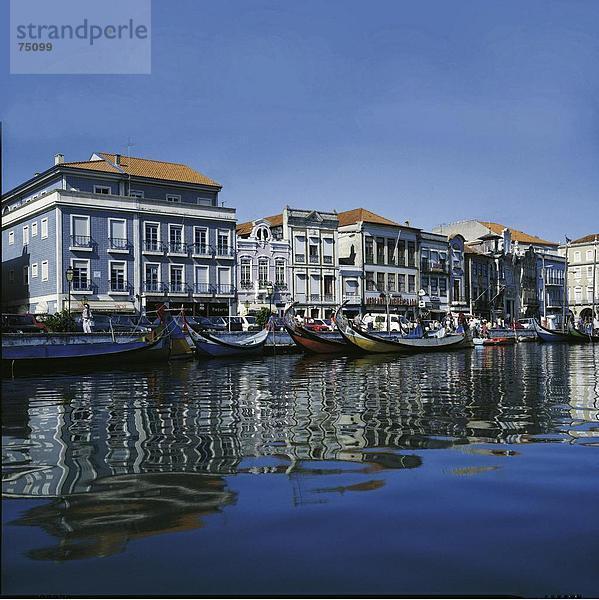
{"x": 467, "y": 473}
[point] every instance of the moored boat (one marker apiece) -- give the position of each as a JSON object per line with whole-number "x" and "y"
{"x": 209, "y": 345}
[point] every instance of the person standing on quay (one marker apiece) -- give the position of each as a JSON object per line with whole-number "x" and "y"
{"x": 87, "y": 318}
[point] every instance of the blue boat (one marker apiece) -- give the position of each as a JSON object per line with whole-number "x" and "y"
{"x": 208, "y": 345}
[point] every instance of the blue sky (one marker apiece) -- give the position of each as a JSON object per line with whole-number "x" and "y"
{"x": 423, "y": 111}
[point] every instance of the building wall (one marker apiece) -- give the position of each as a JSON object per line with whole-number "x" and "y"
{"x": 583, "y": 264}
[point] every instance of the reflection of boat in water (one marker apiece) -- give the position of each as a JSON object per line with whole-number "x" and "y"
{"x": 122, "y": 508}
{"x": 370, "y": 342}
{"x": 494, "y": 341}
{"x": 208, "y": 344}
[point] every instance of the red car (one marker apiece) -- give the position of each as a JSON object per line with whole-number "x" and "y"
{"x": 317, "y": 325}
{"x": 26, "y": 323}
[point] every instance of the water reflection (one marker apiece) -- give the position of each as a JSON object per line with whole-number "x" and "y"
{"x": 132, "y": 454}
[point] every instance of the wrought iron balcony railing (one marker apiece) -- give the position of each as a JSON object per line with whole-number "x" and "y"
{"x": 153, "y": 246}
{"x": 81, "y": 241}
{"x": 118, "y": 243}
{"x": 177, "y": 248}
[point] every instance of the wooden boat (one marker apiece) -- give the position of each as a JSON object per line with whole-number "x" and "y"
{"x": 578, "y": 337}
{"x": 41, "y": 356}
{"x": 370, "y": 342}
{"x": 310, "y": 341}
{"x": 550, "y": 335}
{"x": 209, "y": 345}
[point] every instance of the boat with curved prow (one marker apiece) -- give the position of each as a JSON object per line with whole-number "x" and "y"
{"x": 209, "y": 345}
{"x": 370, "y": 342}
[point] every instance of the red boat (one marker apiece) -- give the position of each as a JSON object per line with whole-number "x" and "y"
{"x": 499, "y": 341}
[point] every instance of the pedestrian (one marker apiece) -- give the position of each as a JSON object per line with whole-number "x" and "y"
{"x": 87, "y": 318}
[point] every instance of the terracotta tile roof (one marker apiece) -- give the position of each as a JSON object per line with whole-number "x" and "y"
{"x": 517, "y": 236}
{"x": 143, "y": 167}
{"x": 350, "y": 217}
{"x": 586, "y": 239}
{"x": 246, "y": 228}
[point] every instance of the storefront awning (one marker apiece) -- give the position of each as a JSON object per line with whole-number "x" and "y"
{"x": 105, "y": 306}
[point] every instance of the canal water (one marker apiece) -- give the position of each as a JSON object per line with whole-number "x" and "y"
{"x": 472, "y": 472}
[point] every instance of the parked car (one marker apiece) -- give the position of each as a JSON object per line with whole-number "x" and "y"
{"x": 26, "y": 323}
{"x": 210, "y": 323}
{"x": 248, "y": 323}
{"x": 318, "y": 325}
{"x": 234, "y": 323}
{"x": 278, "y": 323}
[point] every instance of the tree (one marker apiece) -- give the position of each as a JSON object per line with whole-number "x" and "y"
{"x": 60, "y": 322}
{"x": 262, "y": 317}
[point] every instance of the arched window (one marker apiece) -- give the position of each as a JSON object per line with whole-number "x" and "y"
{"x": 280, "y": 272}
{"x": 263, "y": 233}
{"x": 245, "y": 265}
{"x": 263, "y": 271}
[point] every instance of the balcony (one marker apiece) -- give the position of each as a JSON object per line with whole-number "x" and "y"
{"x": 178, "y": 288}
{"x": 153, "y": 247}
{"x": 300, "y": 258}
{"x": 81, "y": 285}
{"x": 153, "y": 287}
{"x": 555, "y": 281}
{"x": 327, "y": 260}
{"x": 225, "y": 251}
{"x": 314, "y": 259}
{"x": 351, "y": 298}
{"x": 280, "y": 286}
{"x": 314, "y": 297}
{"x": 328, "y": 298}
{"x": 428, "y": 266}
{"x": 117, "y": 245}
{"x": 202, "y": 288}
{"x": 246, "y": 284}
{"x": 201, "y": 250}
{"x": 224, "y": 289}
{"x": 178, "y": 248}
{"x": 81, "y": 242}
{"x": 119, "y": 287}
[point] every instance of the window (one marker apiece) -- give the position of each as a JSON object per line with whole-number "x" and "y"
{"x": 589, "y": 293}
{"x": 246, "y": 272}
{"x": 401, "y": 253}
{"x": 434, "y": 286}
{"x": 391, "y": 282}
{"x": 176, "y": 278}
{"x": 102, "y": 189}
{"x": 327, "y": 251}
{"x": 175, "y": 239}
{"x": 589, "y": 255}
{"x": 34, "y": 229}
{"x": 80, "y": 237}
{"x": 204, "y": 201}
{"x": 280, "y": 272}
{"x": 44, "y": 228}
{"x": 456, "y": 290}
{"x": 44, "y": 270}
{"x": 329, "y": 288}
{"x": 25, "y": 275}
{"x": 411, "y": 254}
{"x": 25, "y": 235}
{"x": 117, "y": 277}
{"x": 117, "y": 234}
{"x": 223, "y": 243}
{"x": 313, "y": 250}
{"x": 11, "y": 238}
{"x": 411, "y": 284}
{"x": 391, "y": 251}
{"x": 402, "y": 282}
{"x": 380, "y": 250}
{"x": 34, "y": 270}
{"x": 201, "y": 280}
{"x": 263, "y": 272}
{"x": 173, "y": 198}
{"x": 136, "y": 194}
{"x": 577, "y": 256}
{"x": 200, "y": 240}
{"x": 590, "y": 271}
{"x": 369, "y": 250}
{"x": 224, "y": 280}
{"x": 577, "y": 295}
{"x": 370, "y": 281}
{"x": 152, "y": 237}
{"x": 424, "y": 284}
{"x": 152, "y": 277}
{"x": 443, "y": 287}
{"x": 80, "y": 275}
{"x": 299, "y": 248}
{"x": 380, "y": 282}
{"x": 263, "y": 233}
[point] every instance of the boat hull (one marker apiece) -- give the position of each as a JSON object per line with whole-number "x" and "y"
{"x": 208, "y": 345}
{"x": 316, "y": 344}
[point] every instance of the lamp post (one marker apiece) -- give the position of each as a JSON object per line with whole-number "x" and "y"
{"x": 69, "y": 275}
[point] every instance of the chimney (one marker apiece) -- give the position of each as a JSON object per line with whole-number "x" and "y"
{"x": 407, "y": 223}
{"x": 117, "y": 159}
{"x": 58, "y": 159}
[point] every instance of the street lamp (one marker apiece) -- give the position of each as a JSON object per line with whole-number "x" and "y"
{"x": 69, "y": 275}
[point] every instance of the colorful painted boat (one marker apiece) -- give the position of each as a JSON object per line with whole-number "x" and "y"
{"x": 495, "y": 341}
{"x": 209, "y": 345}
{"x": 550, "y": 335}
{"x": 310, "y": 341}
{"x": 370, "y": 342}
{"x": 578, "y": 337}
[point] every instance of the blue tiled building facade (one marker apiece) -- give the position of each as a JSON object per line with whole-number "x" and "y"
{"x": 135, "y": 233}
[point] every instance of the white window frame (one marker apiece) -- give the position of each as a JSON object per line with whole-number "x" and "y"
{"x": 89, "y": 275}
{"x": 79, "y": 248}
{"x": 206, "y": 243}
{"x": 44, "y": 277}
{"x": 229, "y": 282}
{"x": 577, "y": 256}
{"x": 196, "y": 269}
{"x": 34, "y": 270}
{"x": 203, "y": 201}
{"x": 281, "y": 262}
{"x": 158, "y": 238}
{"x": 170, "y": 266}
{"x": 97, "y": 189}
{"x": 34, "y": 229}
{"x": 120, "y": 262}
{"x": 247, "y": 259}
{"x": 182, "y": 228}
{"x": 25, "y": 235}
{"x": 175, "y": 198}
{"x": 136, "y": 193}
{"x": 11, "y": 238}
{"x": 117, "y": 250}
{"x": 44, "y": 228}
{"x": 159, "y": 281}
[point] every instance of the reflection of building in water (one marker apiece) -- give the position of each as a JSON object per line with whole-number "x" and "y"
{"x": 584, "y": 397}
